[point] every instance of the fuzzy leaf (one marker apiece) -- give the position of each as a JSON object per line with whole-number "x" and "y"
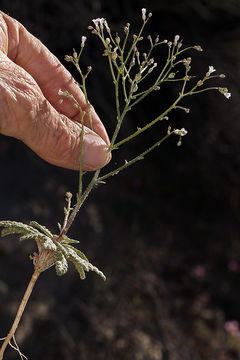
{"x": 80, "y": 270}
{"x": 38, "y": 226}
{"x": 14, "y": 227}
{"x": 62, "y": 249}
{"x": 61, "y": 264}
{"x": 48, "y": 244}
{"x": 86, "y": 265}
{"x": 67, "y": 240}
{"x": 80, "y": 253}
{"x": 28, "y": 236}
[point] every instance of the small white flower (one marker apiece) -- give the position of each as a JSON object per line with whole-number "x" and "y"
{"x": 176, "y": 39}
{"x": 97, "y": 21}
{"x": 100, "y": 22}
{"x": 225, "y": 92}
{"x": 227, "y": 95}
{"x": 180, "y": 132}
{"x": 84, "y": 38}
{"x": 144, "y": 14}
{"x": 211, "y": 69}
{"x": 60, "y": 92}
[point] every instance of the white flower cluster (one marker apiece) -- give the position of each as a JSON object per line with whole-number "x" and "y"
{"x": 180, "y": 132}
{"x": 101, "y": 23}
{"x": 225, "y": 92}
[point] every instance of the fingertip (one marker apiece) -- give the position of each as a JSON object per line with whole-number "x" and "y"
{"x": 95, "y": 152}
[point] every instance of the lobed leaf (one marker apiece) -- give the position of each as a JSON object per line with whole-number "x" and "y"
{"x": 67, "y": 240}
{"x": 78, "y": 252}
{"x": 62, "y": 249}
{"x": 14, "y": 227}
{"x": 80, "y": 270}
{"x": 86, "y": 265}
{"x": 43, "y": 228}
{"x": 48, "y": 244}
{"x": 29, "y": 236}
{"x": 61, "y": 264}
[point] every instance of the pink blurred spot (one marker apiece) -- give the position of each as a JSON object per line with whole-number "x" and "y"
{"x": 198, "y": 271}
{"x": 233, "y": 265}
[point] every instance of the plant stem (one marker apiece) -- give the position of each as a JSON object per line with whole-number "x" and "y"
{"x": 78, "y": 205}
{"x": 137, "y": 158}
{"x": 148, "y": 125}
{"x": 19, "y": 312}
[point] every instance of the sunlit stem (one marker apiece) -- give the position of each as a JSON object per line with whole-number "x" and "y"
{"x": 135, "y": 42}
{"x": 137, "y": 158}
{"x": 81, "y": 162}
{"x": 84, "y": 92}
{"x": 19, "y": 312}
{"x": 192, "y": 92}
{"x": 79, "y": 204}
{"x": 148, "y": 125}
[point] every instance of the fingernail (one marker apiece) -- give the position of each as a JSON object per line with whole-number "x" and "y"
{"x": 95, "y": 153}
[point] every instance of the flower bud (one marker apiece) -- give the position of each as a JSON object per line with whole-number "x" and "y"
{"x": 83, "y": 41}
{"x": 144, "y": 14}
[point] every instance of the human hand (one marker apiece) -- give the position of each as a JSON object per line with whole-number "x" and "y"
{"x": 30, "y": 78}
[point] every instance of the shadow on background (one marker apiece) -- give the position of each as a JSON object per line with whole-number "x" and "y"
{"x": 165, "y": 232}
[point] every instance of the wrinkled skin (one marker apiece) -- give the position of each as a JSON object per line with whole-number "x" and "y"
{"x": 30, "y": 78}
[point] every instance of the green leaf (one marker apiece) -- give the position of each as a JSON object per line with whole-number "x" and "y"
{"x": 48, "y": 244}
{"x": 14, "y": 227}
{"x": 61, "y": 264}
{"x": 38, "y": 226}
{"x": 80, "y": 270}
{"x": 62, "y": 249}
{"x": 47, "y": 240}
{"x": 67, "y": 240}
{"x": 80, "y": 253}
{"x": 28, "y": 236}
{"x": 86, "y": 265}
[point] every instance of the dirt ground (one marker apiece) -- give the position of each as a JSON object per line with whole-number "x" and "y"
{"x": 165, "y": 232}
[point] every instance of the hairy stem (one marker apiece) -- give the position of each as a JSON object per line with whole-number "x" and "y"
{"x": 137, "y": 158}
{"x": 148, "y": 125}
{"x": 79, "y": 203}
{"x": 19, "y": 312}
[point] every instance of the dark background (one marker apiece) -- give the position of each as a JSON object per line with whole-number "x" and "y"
{"x": 165, "y": 232}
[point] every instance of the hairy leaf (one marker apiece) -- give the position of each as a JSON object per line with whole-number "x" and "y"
{"x": 67, "y": 240}
{"x": 29, "y": 236}
{"x": 38, "y": 226}
{"x": 86, "y": 265}
{"x": 48, "y": 244}
{"x": 14, "y": 227}
{"x": 61, "y": 264}
{"x": 80, "y": 270}
{"x": 78, "y": 252}
{"x": 62, "y": 249}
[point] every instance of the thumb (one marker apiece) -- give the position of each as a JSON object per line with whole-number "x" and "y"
{"x": 27, "y": 115}
{"x": 57, "y": 139}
